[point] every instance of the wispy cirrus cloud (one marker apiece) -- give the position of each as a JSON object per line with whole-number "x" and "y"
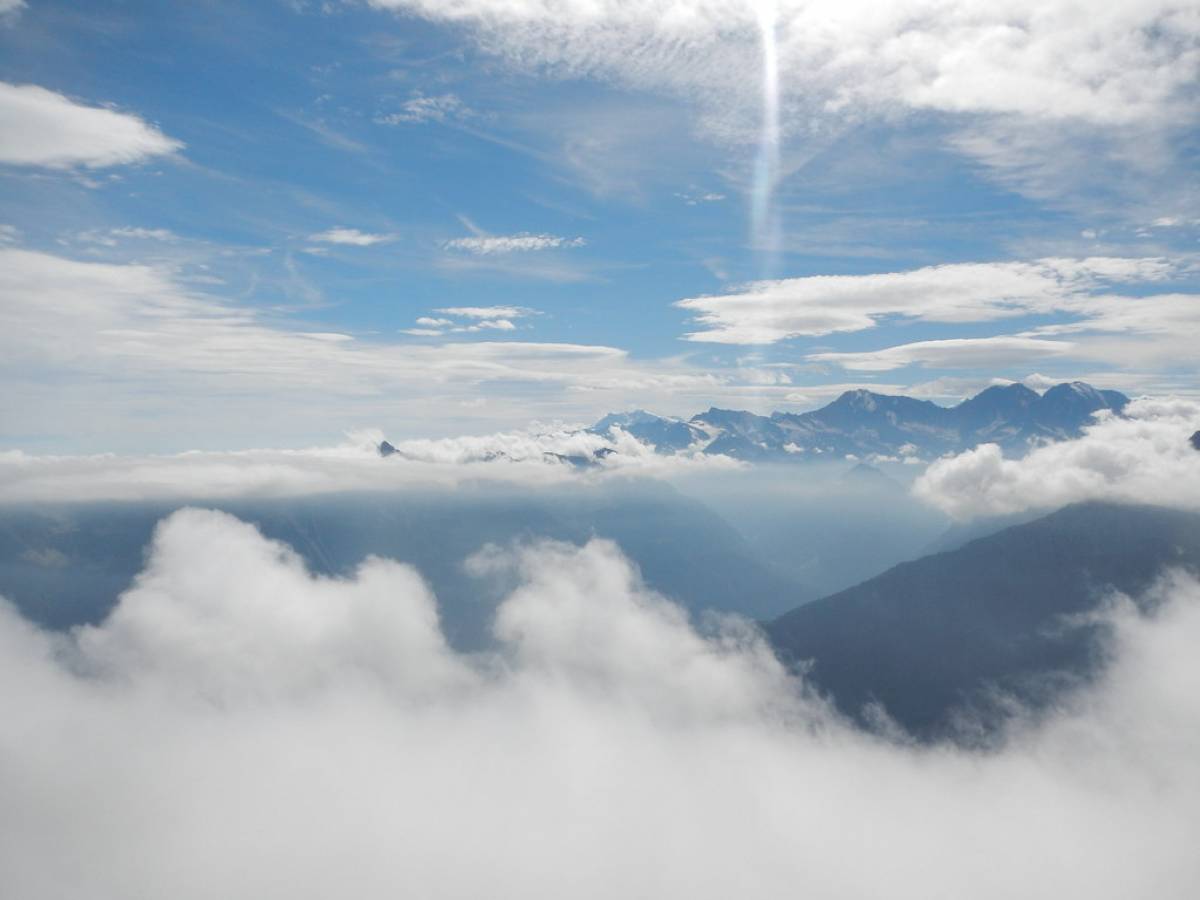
{"x": 993, "y": 77}
{"x": 846, "y": 58}
{"x": 39, "y": 127}
{"x": 420, "y": 109}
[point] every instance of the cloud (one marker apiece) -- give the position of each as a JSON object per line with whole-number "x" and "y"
{"x": 1051, "y": 103}
{"x": 130, "y": 333}
{"x": 421, "y": 109}
{"x": 956, "y": 353}
{"x": 111, "y": 237}
{"x": 695, "y": 198}
{"x": 249, "y": 729}
{"x": 1134, "y": 63}
{"x": 39, "y": 127}
{"x": 534, "y": 456}
{"x": 1143, "y": 458}
{"x": 479, "y": 318}
{"x": 487, "y": 245}
{"x": 486, "y": 312}
{"x": 136, "y": 357}
{"x": 765, "y": 312}
{"x": 350, "y": 236}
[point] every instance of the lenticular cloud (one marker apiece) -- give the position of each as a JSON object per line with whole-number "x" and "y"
{"x": 241, "y": 728}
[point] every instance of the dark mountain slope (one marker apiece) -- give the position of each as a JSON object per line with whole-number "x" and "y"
{"x": 927, "y": 636}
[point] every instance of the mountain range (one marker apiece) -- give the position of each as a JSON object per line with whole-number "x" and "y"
{"x": 862, "y": 423}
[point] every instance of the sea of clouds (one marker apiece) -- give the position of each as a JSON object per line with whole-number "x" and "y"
{"x": 240, "y": 728}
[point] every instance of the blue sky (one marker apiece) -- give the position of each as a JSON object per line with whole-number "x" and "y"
{"x": 222, "y": 221}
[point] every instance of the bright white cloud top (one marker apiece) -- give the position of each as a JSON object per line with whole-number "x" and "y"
{"x": 1144, "y": 457}
{"x": 39, "y": 127}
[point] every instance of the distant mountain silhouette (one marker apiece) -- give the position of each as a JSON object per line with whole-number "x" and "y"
{"x": 927, "y": 638}
{"x": 862, "y": 423}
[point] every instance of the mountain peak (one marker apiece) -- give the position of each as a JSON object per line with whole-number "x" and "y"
{"x": 859, "y": 398}
{"x": 625, "y": 419}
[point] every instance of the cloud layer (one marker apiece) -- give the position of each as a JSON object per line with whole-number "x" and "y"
{"x": 246, "y": 729}
{"x": 1132, "y": 61}
{"x": 535, "y": 456}
{"x": 768, "y": 311}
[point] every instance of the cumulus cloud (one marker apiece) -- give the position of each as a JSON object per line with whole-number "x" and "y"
{"x": 247, "y": 729}
{"x": 469, "y": 320}
{"x": 349, "y": 236}
{"x": 486, "y": 245}
{"x": 1144, "y": 457}
{"x": 39, "y": 127}
{"x": 768, "y": 311}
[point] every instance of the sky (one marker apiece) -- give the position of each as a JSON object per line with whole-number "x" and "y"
{"x": 229, "y": 225}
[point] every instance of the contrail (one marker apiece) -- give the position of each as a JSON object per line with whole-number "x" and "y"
{"x": 765, "y": 218}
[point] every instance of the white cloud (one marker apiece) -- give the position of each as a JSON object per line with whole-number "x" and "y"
{"x": 248, "y": 729}
{"x": 530, "y": 456}
{"x": 1054, "y": 103}
{"x": 421, "y": 109}
{"x": 486, "y": 312}
{"x": 954, "y": 353}
{"x": 39, "y": 127}
{"x": 1144, "y": 458}
{"x": 478, "y": 318}
{"x": 111, "y": 237}
{"x": 350, "y": 236}
{"x": 695, "y": 198}
{"x": 130, "y": 320}
{"x": 768, "y": 311}
{"x": 487, "y": 245}
{"x": 1132, "y": 61}
{"x": 9, "y": 234}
